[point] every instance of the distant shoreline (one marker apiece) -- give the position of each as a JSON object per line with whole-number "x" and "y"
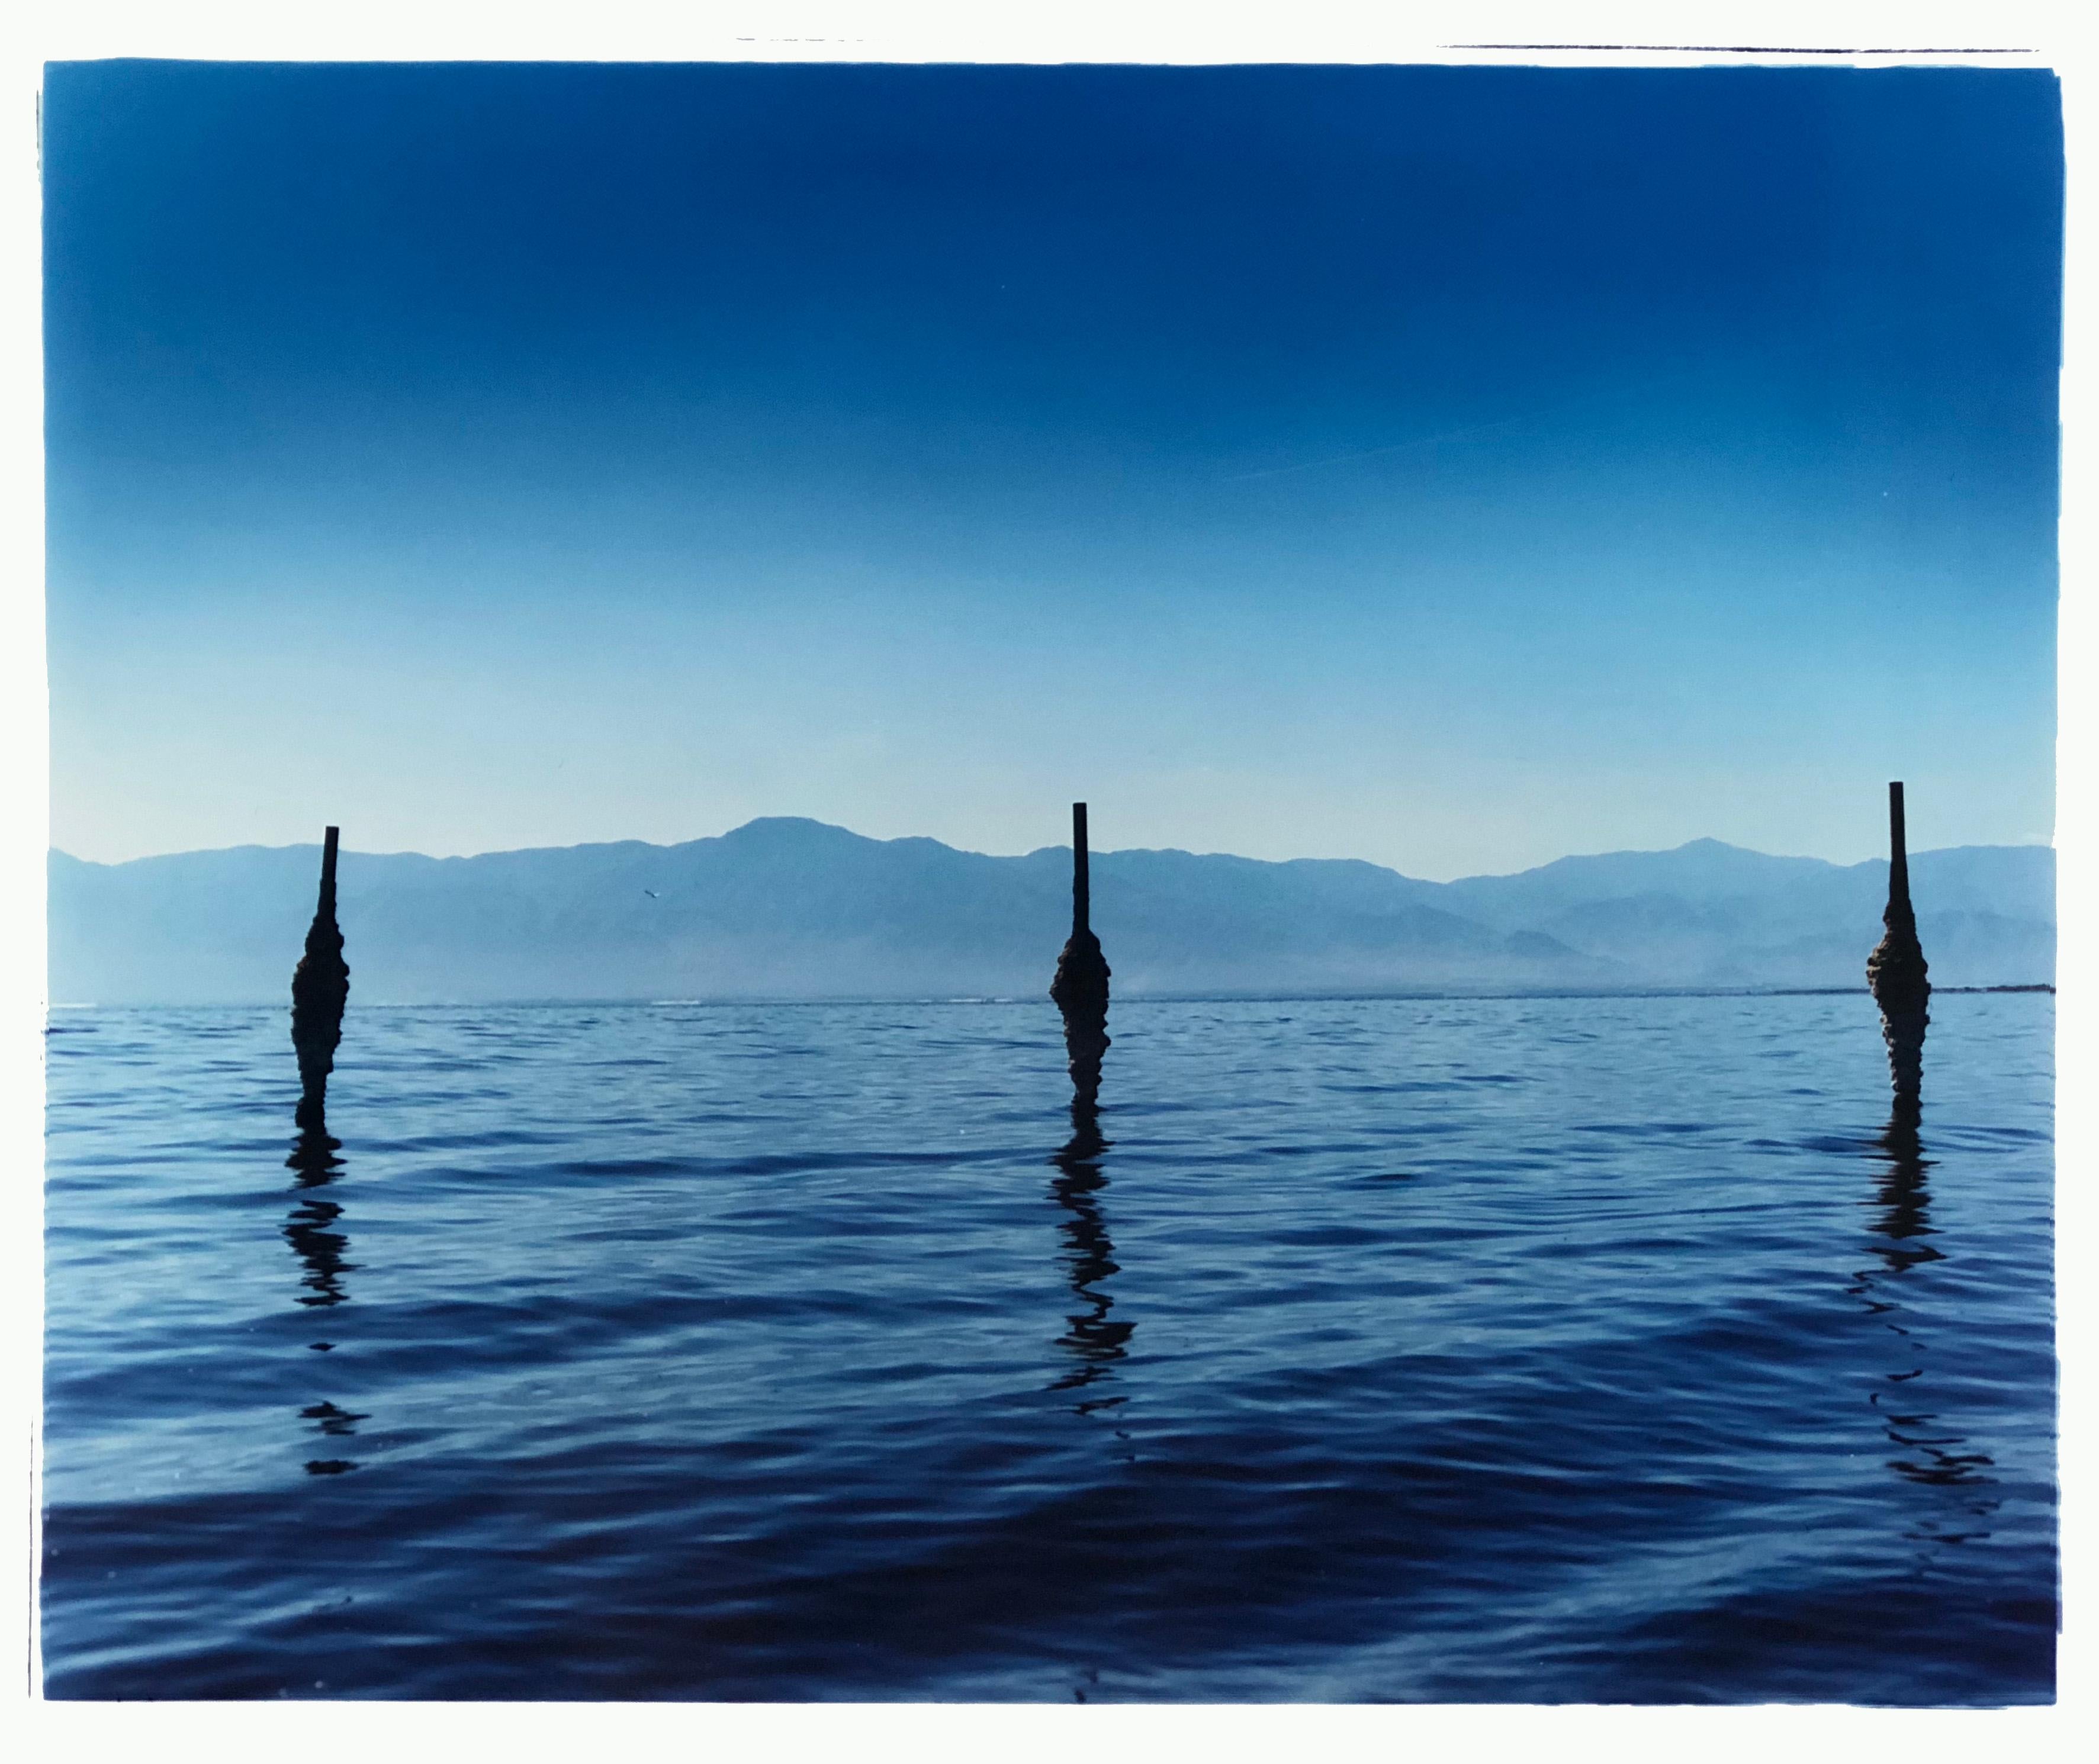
{"x": 1129, "y": 998}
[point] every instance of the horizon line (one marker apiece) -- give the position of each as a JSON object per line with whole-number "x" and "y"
{"x": 738, "y": 1001}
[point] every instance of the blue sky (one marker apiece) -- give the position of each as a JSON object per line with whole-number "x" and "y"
{"x": 1454, "y": 468}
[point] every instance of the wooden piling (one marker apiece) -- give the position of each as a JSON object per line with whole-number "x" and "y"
{"x": 1082, "y": 903}
{"x": 1896, "y": 971}
{"x": 1898, "y": 848}
{"x": 1080, "y": 988}
{"x": 320, "y": 986}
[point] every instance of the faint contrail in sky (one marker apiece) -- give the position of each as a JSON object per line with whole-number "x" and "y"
{"x": 1397, "y": 446}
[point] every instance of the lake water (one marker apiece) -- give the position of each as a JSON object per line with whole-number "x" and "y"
{"x": 1519, "y": 1349}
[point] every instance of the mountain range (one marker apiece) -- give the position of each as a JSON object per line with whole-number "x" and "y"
{"x": 791, "y": 909}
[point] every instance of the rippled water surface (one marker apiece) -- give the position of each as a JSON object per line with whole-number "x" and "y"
{"x": 1533, "y": 1350}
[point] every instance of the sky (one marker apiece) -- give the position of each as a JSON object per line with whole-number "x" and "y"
{"x": 1454, "y": 468}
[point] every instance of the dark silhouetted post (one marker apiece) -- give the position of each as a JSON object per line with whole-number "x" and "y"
{"x": 320, "y": 985}
{"x": 1080, "y": 988}
{"x": 1897, "y": 971}
{"x": 1082, "y": 887}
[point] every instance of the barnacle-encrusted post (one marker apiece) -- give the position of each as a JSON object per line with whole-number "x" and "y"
{"x": 320, "y": 985}
{"x": 1896, "y": 970}
{"x": 1080, "y": 988}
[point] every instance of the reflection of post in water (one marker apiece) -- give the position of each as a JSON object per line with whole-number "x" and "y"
{"x": 1902, "y": 1197}
{"x": 1896, "y": 971}
{"x": 1901, "y": 1224}
{"x": 1089, "y": 1258}
{"x": 311, "y": 1233}
{"x": 1898, "y": 976}
{"x": 1080, "y": 988}
{"x": 320, "y": 986}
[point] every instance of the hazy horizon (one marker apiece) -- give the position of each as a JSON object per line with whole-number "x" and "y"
{"x": 792, "y": 907}
{"x": 1098, "y": 847}
{"x": 1450, "y": 468}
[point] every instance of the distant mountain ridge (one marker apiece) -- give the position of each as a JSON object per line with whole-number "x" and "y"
{"x": 783, "y": 907}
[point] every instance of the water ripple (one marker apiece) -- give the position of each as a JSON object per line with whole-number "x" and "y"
{"x": 1465, "y": 1350}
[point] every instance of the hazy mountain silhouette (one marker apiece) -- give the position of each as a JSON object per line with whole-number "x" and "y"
{"x": 793, "y": 909}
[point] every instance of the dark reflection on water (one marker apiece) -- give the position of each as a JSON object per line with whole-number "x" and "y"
{"x": 1931, "y": 1454}
{"x": 311, "y": 1233}
{"x": 1094, "y": 1340}
{"x": 1902, "y": 1196}
{"x": 310, "y": 1229}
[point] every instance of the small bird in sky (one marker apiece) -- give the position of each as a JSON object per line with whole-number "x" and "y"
{"x": 652, "y": 894}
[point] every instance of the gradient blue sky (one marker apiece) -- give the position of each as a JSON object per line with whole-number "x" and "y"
{"x": 1454, "y": 468}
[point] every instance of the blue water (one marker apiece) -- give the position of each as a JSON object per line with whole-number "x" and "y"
{"x": 1534, "y": 1350}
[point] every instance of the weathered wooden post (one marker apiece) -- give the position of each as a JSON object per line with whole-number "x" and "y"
{"x": 320, "y": 985}
{"x": 1080, "y": 988}
{"x": 1896, "y": 971}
